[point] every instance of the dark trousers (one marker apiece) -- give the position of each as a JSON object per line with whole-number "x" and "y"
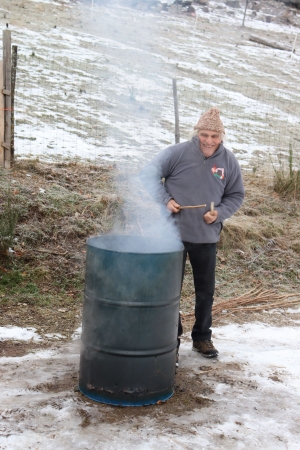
{"x": 203, "y": 262}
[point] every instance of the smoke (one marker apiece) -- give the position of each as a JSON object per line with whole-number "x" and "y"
{"x": 131, "y": 65}
{"x": 137, "y": 94}
{"x": 142, "y": 215}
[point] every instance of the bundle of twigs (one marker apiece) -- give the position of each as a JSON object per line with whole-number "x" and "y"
{"x": 256, "y": 299}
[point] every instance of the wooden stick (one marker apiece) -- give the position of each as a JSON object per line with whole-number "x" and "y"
{"x": 209, "y": 370}
{"x": 270, "y": 302}
{"x": 14, "y": 59}
{"x": 195, "y": 27}
{"x": 266, "y": 306}
{"x": 268, "y": 43}
{"x": 196, "y": 206}
{"x": 177, "y": 132}
{"x": 212, "y": 207}
{"x": 2, "y": 107}
{"x": 294, "y": 44}
{"x": 42, "y": 250}
{"x": 246, "y": 6}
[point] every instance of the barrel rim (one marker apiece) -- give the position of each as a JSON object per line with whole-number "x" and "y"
{"x": 127, "y": 304}
{"x": 132, "y": 402}
{"x": 89, "y": 243}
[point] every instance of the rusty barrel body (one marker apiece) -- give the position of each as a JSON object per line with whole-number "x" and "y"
{"x": 130, "y": 319}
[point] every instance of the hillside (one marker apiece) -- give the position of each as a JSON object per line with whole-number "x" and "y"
{"x": 78, "y": 152}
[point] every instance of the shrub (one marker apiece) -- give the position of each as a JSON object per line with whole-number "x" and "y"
{"x": 287, "y": 180}
{"x": 8, "y": 221}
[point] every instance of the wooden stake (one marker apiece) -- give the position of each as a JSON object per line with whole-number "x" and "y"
{"x": 246, "y": 6}
{"x": 42, "y": 250}
{"x": 177, "y": 133}
{"x": 7, "y": 97}
{"x": 195, "y": 27}
{"x": 294, "y": 44}
{"x": 1, "y": 116}
{"x": 13, "y": 85}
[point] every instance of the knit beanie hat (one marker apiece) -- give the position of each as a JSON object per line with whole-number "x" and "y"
{"x": 210, "y": 120}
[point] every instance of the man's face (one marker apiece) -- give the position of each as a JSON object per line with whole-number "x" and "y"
{"x": 209, "y": 141}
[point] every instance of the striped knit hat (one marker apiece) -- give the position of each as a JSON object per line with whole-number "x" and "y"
{"x": 210, "y": 120}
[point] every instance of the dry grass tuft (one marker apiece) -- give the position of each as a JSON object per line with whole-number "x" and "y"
{"x": 255, "y": 300}
{"x": 59, "y": 206}
{"x": 287, "y": 179}
{"x": 238, "y": 234}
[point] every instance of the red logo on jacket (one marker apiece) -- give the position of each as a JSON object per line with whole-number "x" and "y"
{"x": 218, "y": 172}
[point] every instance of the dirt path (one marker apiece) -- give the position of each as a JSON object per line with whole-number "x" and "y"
{"x": 247, "y": 399}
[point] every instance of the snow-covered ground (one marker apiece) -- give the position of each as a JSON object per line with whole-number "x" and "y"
{"x": 249, "y": 398}
{"x": 104, "y": 91}
{"x": 19, "y": 334}
{"x": 98, "y": 92}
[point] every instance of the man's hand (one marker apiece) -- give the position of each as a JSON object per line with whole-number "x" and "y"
{"x": 210, "y": 216}
{"x": 173, "y": 206}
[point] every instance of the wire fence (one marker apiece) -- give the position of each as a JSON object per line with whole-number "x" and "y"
{"x": 262, "y": 122}
{"x": 84, "y": 110}
{"x": 68, "y": 106}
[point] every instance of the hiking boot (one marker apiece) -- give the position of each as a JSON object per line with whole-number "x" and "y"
{"x": 206, "y": 348}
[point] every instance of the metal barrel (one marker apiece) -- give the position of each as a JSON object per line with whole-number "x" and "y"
{"x": 130, "y": 319}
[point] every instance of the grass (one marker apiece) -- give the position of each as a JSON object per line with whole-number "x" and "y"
{"x": 287, "y": 179}
{"x": 8, "y": 219}
{"x": 60, "y": 205}
{"x": 7, "y": 227}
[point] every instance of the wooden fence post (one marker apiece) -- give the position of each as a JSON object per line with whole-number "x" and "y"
{"x": 14, "y": 61}
{"x": 177, "y": 133}
{"x": 6, "y": 144}
{"x": 1, "y": 116}
{"x": 246, "y": 6}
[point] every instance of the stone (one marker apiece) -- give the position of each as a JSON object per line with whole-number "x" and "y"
{"x": 255, "y": 6}
{"x": 175, "y": 8}
{"x": 233, "y": 3}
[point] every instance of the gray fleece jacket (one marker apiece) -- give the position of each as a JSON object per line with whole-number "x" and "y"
{"x": 193, "y": 179}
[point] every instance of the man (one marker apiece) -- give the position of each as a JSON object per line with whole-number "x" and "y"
{"x": 196, "y": 172}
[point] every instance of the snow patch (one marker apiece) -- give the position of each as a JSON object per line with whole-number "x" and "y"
{"x": 19, "y": 334}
